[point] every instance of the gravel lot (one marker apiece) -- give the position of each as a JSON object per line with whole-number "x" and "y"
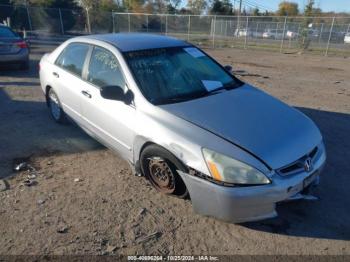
{"x": 85, "y": 200}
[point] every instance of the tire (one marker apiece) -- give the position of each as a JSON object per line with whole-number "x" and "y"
{"x": 55, "y": 108}
{"x": 159, "y": 167}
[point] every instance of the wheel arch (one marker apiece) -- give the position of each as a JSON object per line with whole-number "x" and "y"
{"x": 47, "y": 89}
{"x": 143, "y": 143}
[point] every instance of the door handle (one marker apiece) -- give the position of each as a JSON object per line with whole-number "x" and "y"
{"x": 56, "y": 74}
{"x": 86, "y": 93}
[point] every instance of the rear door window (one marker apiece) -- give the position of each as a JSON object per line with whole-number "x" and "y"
{"x": 7, "y": 33}
{"x": 73, "y": 57}
{"x": 104, "y": 69}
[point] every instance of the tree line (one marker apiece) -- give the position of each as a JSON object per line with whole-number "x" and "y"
{"x": 216, "y": 7}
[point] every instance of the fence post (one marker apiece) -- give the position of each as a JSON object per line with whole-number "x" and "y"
{"x": 321, "y": 31}
{"x": 113, "y": 26}
{"x": 330, "y": 36}
{"x": 284, "y": 31}
{"x": 166, "y": 24}
{"x": 60, "y": 13}
{"x": 189, "y": 27}
{"x": 298, "y": 29}
{"x": 29, "y": 20}
{"x": 221, "y": 26}
{"x": 214, "y": 19}
{"x": 129, "y": 22}
{"x": 246, "y": 33}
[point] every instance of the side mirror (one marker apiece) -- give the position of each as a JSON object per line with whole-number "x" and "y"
{"x": 228, "y": 68}
{"x": 116, "y": 93}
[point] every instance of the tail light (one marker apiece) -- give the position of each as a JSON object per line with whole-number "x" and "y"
{"x": 22, "y": 44}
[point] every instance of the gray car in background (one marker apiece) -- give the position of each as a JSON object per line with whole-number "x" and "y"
{"x": 185, "y": 122}
{"x": 13, "y": 48}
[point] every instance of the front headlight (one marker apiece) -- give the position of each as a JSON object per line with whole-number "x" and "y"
{"x": 229, "y": 170}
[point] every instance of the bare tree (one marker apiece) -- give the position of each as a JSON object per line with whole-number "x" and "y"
{"x": 197, "y": 6}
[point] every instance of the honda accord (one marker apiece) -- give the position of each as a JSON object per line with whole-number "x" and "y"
{"x": 185, "y": 122}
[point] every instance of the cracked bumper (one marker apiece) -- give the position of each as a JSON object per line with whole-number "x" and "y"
{"x": 243, "y": 204}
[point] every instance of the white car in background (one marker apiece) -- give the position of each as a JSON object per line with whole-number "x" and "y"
{"x": 347, "y": 38}
{"x": 241, "y": 33}
{"x": 273, "y": 34}
{"x": 291, "y": 34}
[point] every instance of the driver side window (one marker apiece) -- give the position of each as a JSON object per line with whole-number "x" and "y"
{"x": 104, "y": 69}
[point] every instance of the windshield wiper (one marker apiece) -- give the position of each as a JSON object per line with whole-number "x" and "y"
{"x": 177, "y": 99}
{"x": 184, "y": 98}
{"x": 227, "y": 86}
{"x": 217, "y": 90}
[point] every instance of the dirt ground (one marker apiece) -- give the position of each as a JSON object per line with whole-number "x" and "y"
{"x": 85, "y": 200}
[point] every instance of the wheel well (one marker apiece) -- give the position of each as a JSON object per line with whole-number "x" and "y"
{"x": 138, "y": 164}
{"x": 47, "y": 89}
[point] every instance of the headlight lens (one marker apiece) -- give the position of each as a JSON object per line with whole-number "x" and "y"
{"x": 229, "y": 170}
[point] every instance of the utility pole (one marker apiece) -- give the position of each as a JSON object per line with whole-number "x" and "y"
{"x": 240, "y": 8}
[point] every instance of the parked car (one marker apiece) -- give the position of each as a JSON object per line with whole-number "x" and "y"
{"x": 273, "y": 34}
{"x": 314, "y": 33}
{"x": 185, "y": 122}
{"x": 347, "y": 38}
{"x": 291, "y": 34}
{"x": 241, "y": 33}
{"x": 13, "y": 48}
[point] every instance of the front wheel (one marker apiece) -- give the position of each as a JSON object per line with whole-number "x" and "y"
{"x": 160, "y": 167}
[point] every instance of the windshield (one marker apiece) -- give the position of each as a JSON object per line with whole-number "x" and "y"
{"x": 169, "y": 75}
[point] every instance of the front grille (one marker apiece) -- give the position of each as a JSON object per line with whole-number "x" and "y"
{"x": 298, "y": 166}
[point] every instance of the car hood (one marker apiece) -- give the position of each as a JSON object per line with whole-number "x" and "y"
{"x": 261, "y": 124}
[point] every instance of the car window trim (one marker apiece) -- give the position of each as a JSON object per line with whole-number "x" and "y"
{"x": 85, "y": 71}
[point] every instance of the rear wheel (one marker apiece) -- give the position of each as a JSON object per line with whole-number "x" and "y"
{"x": 55, "y": 107}
{"x": 160, "y": 167}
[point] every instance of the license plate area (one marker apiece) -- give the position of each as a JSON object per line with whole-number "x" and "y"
{"x": 308, "y": 180}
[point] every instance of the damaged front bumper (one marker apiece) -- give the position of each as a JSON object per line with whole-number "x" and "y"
{"x": 244, "y": 204}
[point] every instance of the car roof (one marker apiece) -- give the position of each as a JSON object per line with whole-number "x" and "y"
{"x": 126, "y": 42}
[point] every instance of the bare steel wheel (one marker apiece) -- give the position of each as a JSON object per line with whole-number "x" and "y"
{"x": 161, "y": 175}
{"x": 160, "y": 167}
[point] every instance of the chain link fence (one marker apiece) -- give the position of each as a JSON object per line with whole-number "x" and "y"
{"x": 321, "y": 35}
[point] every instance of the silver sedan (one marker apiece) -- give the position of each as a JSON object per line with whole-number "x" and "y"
{"x": 13, "y": 48}
{"x": 185, "y": 122}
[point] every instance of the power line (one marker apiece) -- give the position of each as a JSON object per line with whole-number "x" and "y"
{"x": 258, "y": 5}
